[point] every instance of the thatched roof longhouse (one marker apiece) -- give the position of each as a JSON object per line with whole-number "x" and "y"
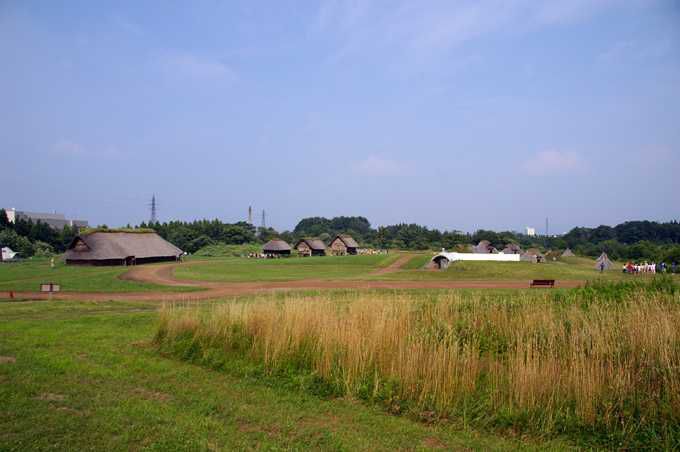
{"x": 120, "y": 248}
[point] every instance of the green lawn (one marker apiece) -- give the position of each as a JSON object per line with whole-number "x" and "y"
{"x": 82, "y": 376}
{"x": 29, "y": 274}
{"x": 575, "y": 268}
{"x": 294, "y": 268}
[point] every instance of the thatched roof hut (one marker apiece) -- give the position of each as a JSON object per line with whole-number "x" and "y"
{"x": 512, "y": 248}
{"x": 603, "y": 262}
{"x": 568, "y": 253}
{"x": 484, "y": 247}
{"x": 116, "y": 247}
{"x": 533, "y": 255}
{"x": 276, "y": 247}
{"x": 343, "y": 244}
{"x": 311, "y": 247}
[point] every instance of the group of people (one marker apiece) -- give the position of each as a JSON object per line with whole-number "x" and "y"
{"x": 263, "y": 256}
{"x": 647, "y": 267}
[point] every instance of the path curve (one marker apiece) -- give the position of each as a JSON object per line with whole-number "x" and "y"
{"x": 394, "y": 266}
{"x": 163, "y": 275}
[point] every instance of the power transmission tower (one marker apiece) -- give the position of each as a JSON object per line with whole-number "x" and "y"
{"x": 154, "y": 218}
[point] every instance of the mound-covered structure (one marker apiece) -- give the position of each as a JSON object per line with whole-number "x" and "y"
{"x": 276, "y": 247}
{"x": 116, "y": 247}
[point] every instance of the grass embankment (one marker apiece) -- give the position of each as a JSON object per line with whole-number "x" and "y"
{"x": 563, "y": 269}
{"x": 599, "y": 364}
{"x": 28, "y": 275}
{"x": 82, "y": 376}
{"x": 285, "y": 269}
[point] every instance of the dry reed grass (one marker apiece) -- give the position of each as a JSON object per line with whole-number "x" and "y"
{"x": 522, "y": 361}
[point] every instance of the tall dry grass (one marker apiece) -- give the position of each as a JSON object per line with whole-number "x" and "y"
{"x": 523, "y": 360}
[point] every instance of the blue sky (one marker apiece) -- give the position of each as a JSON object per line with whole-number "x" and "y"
{"x": 453, "y": 114}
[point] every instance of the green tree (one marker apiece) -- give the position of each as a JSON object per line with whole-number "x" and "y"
{"x": 198, "y": 243}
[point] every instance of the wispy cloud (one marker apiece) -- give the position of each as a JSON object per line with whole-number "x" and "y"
{"x": 551, "y": 161}
{"x": 376, "y": 165}
{"x": 192, "y": 66}
{"x": 70, "y": 148}
{"x": 417, "y": 33}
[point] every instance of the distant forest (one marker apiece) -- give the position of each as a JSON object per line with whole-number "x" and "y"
{"x": 635, "y": 240}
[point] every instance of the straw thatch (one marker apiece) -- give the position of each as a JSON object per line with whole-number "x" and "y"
{"x": 568, "y": 253}
{"x": 603, "y": 262}
{"x": 276, "y": 246}
{"x": 311, "y": 247}
{"x": 526, "y": 257}
{"x": 120, "y": 248}
{"x": 348, "y": 241}
{"x": 512, "y": 248}
{"x": 343, "y": 244}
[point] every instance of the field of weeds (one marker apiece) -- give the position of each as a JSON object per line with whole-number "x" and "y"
{"x": 599, "y": 365}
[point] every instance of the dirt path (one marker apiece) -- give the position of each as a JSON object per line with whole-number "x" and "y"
{"x": 163, "y": 275}
{"x": 394, "y": 266}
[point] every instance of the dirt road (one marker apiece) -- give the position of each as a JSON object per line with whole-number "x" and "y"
{"x": 394, "y": 266}
{"x": 163, "y": 275}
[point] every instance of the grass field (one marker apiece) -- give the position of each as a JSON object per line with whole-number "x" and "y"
{"x": 575, "y": 268}
{"x": 84, "y": 376}
{"x": 600, "y": 364}
{"x": 362, "y": 267}
{"x": 295, "y": 268}
{"x": 29, "y": 274}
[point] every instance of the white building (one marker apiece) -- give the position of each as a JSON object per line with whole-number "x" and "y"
{"x": 443, "y": 259}
{"x": 55, "y": 220}
{"x": 531, "y": 232}
{"x": 7, "y": 253}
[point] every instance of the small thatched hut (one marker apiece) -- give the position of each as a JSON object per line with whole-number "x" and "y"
{"x": 533, "y": 255}
{"x": 512, "y": 248}
{"x": 276, "y": 247}
{"x": 311, "y": 247}
{"x": 484, "y": 247}
{"x": 343, "y": 244}
{"x": 603, "y": 262}
{"x": 568, "y": 253}
{"x": 115, "y": 247}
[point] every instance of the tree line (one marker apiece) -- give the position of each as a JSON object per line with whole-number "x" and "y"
{"x": 30, "y": 238}
{"x": 634, "y": 240}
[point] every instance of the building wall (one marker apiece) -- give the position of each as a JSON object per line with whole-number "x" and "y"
{"x": 338, "y": 247}
{"x": 55, "y": 220}
{"x": 479, "y": 257}
{"x": 304, "y": 249}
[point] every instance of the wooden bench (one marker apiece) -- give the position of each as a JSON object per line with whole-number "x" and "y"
{"x": 542, "y": 283}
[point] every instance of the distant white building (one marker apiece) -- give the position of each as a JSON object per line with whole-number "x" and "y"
{"x": 55, "y": 220}
{"x": 531, "y": 232}
{"x": 443, "y": 259}
{"x": 7, "y": 253}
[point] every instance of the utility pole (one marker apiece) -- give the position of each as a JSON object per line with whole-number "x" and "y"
{"x": 154, "y": 218}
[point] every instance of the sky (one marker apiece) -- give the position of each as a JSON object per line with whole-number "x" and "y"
{"x": 458, "y": 115}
